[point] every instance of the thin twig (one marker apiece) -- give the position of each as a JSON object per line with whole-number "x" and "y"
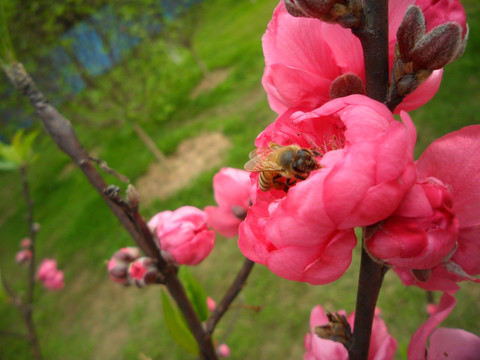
{"x": 230, "y": 295}
{"x": 14, "y": 334}
{"x": 27, "y": 308}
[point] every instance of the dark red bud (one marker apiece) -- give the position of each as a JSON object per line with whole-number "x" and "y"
{"x": 346, "y": 84}
{"x": 309, "y": 8}
{"x": 410, "y": 31}
{"x": 439, "y": 47}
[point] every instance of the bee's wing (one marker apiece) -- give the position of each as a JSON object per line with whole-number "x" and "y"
{"x": 259, "y": 161}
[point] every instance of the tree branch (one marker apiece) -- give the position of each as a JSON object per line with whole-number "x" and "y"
{"x": 230, "y": 295}
{"x": 374, "y": 39}
{"x": 66, "y": 139}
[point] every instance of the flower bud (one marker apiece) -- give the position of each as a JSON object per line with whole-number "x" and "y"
{"x": 51, "y": 277}
{"x": 23, "y": 256}
{"x": 25, "y": 243}
{"x": 211, "y": 304}
{"x": 442, "y": 45}
{"x": 183, "y": 235}
{"x": 346, "y": 84}
{"x": 223, "y": 350}
{"x": 143, "y": 272}
{"x": 118, "y": 264}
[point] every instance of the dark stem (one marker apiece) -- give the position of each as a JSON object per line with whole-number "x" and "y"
{"x": 66, "y": 139}
{"x": 27, "y": 308}
{"x": 230, "y": 295}
{"x": 374, "y": 39}
{"x": 369, "y": 284}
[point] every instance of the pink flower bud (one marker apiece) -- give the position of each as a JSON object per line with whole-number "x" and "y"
{"x": 423, "y": 230}
{"x": 119, "y": 262}
{"x": 382, "y": 344}
{"x": 232, "y": 193}
{"x": 51, "y": 277}
{"x": 211, "y": 304}
{"x": 23, "y": 256}
{"x": 223, "y": 350}
{"x": 143, "y": 272}
{"x": 26, "y": 243}
{"x": 183, "y": 235}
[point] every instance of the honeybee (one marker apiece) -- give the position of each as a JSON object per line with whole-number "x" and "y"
{"x": 276, "y": 162}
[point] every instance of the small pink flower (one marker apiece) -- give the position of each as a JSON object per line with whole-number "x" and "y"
{"x": 143, "y": 272}
{"x": 223, "y": 350}
{"x": 454, "y": 344}
{"x": 304, "y": 56}
{"x": 25, "y": 243}
{"x": 449, "y": 248}
{"x": 118, "y": 264}
{"x": 382, "y": 344}
{"x": 366, "y": 168}
{"x": 211, "y": 304}
{"x": 183, "y": 235}
{"x": 232, "y": 194}
{"x": 23, "y": 256}
{"x": 51, "y": 277}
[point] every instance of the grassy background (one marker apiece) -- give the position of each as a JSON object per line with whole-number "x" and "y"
{"x": 93, "y": 318}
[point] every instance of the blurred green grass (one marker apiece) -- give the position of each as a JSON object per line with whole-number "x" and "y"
{"x": 93, "y": 318}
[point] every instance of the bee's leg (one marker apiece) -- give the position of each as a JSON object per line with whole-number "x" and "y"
{"x": 301, "y": 176}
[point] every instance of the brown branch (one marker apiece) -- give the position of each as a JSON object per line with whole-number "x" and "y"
{"x": 373, "y": 36}
{"x": 230, "y": 295}
{"x": 369, "y": 284}
{"x": 66, "y": 139}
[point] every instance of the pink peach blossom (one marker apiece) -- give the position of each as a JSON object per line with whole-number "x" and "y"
{"x": 423, "y": 230}
{"x": 23, "y": 256}
{"x": 183, "y": 235}
{"x": 382, "y": 344}
{"x": 232, "y": 193}
{"x": 366, "y": 168}
{"x": 303, "y": 56}
{"x": 451, "y": 162}
{"x": 51, "y": 277}
{"x": 438, "y": 12}
{"x": 454, "y": 344}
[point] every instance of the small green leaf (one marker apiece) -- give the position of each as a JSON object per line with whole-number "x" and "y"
{"x": 6, "y": 165}
{"x": 195, "y": 292}
{"x": 177, "y": 327}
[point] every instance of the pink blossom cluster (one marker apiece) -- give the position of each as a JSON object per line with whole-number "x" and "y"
{"x": 49, "y": 275}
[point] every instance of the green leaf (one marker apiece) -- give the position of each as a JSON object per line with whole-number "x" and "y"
{"x": 195, "y": 292}
{"x": 177, "y": 326}
{"x": 6, "y": 165}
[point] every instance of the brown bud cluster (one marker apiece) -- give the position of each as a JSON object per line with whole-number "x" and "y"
{"x": 418, "y": 53}
{"x": 345, "y": 12}
{"x": 338, "y": 329}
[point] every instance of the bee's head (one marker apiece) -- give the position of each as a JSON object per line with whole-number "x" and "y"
{"x": 304, "y": 161}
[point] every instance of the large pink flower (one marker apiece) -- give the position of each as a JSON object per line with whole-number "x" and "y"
{"x": 51, "y": 277}
{"x": 232, "y": 193}
{"x": 183, "y": 235}
{"x": 366, "y": 169}
{"x": 454, "y": 344}
{"x": 382, "y": 344}
{"x": 303, "y": 56}
{"x": 445, "y": 237}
